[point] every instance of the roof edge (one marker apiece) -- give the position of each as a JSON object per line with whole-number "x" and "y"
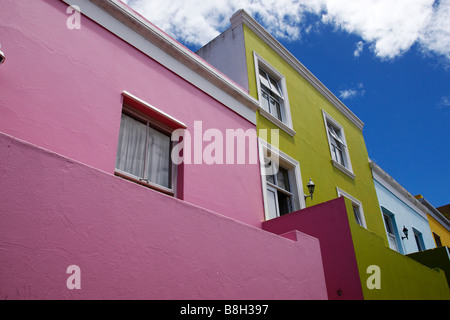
{"x": 397, "y": 186}
{"x": 242, "y": 17}
{"x": 133, "y": 20}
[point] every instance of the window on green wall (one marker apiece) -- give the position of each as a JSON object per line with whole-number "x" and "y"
{"x": 281, "y": 182}
{"x": 340, "y": 156}
{"x": 272, "y": 95}
{"x": 358, "y": 212}
{"x": 279, "y": 189}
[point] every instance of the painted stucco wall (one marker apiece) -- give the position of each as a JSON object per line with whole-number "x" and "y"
{"x": 310, "y": 145}
{"x": 227, "y": 53}
{"x": 340, "y": 266}
{"x": 401, "y": 278}
{"x": 440, "y": 230}
{"x": 435, "y": 258}
{"x": 131, "y": 242}
{"x": 349, "y": 251}
{"x": 405, "y": 216}
{"x": 61, "y": 90}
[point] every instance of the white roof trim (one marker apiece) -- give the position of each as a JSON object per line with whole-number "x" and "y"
{"x": 121, "y": 19}
{"x": 436, "y": 214}
{"x": 154, "y": 109}
{"x": 384, "y": 178}
{"x": 241, "y": 17}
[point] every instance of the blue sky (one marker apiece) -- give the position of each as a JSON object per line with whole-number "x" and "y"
{"x": 404, "y": 103}
{"x": 388, "y": 61}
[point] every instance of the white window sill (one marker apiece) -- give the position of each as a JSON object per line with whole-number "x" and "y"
{"x": 343, "y": 169}
{"x": 151, "y": 185}
{"x": 277, "y": 122}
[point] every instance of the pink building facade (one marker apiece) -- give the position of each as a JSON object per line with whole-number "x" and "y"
{"x": 68, "y": 88}
{"x": 62, "y": 89}
{"x": 338, "y": 253}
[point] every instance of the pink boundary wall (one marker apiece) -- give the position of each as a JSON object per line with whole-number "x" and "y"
{"x": 132, "y": 242}
{"x": 61, "y": 89}
{"x": 329, "y": 223}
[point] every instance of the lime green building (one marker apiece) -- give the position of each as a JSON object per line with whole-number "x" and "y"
{"x": 321, "y": 141}
{"x": 316, "y": 130}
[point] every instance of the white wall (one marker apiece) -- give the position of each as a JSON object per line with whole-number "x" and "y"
{"x": 227, "y": 54}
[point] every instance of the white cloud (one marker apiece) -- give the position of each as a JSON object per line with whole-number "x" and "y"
{"x": 388, "y": 27}
{"x": 359, "y": 49}
{"x": 436, "y": 34}
{"x": 391, "y": 27}
{"x": 444, "y": 103}
{"x": 352, "y": 92}
{"x": 346, "y": 94}
{"x": 196, "y": 22}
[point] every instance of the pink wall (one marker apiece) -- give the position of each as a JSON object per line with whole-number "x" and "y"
{"x": 329, "y": 223}
{"x": 61, "y": 89}
{"x": 132, "y": 242}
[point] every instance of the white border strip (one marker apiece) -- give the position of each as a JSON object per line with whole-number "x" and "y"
{"x": 154, "y": 109}
{"x": 242, "y": 16}
{"x": 119, "y": 19}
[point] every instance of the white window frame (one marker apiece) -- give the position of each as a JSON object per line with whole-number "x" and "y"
{"x": 159, "y": 120}
{"x": 295, "y": 178}
{"x": 355, "y": 203}
{"x": 418, "y": 239}
{"x": 393, "y": 237}
{"x": 286, "y": 123}
{"x": 347, "y": 167}
{"x": 150, "y": 123}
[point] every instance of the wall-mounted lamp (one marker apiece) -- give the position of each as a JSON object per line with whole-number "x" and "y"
{"x": 311, "y": 186}
{"x": 405, "y": 232}
{"x": 2, "y": 56}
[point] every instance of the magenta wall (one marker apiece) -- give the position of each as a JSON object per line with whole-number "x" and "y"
{"x": 61, "y": 89}
{"x": 132, "y": 242}
{"x": 329, "y": 223}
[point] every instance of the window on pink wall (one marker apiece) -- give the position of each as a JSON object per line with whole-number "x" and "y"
{"x": 144, "y": 147}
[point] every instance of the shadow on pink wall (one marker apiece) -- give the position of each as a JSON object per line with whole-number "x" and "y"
{"x": 329, "y": 223}
{"x": 131, "y": 242}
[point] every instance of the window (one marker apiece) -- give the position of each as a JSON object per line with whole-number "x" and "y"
{"x": 279, "y": 191}
{"x": 144, "y": 151}
{"x": 391, "y": 230}
{"x": 437, "y": 240}
{"x": 357, "y": 215}
{"x": 337, "y": 145}
{"x": 358, "y": 212}
{"x": 144, "y": 145}
{"x": 340, "y": 157}
{"x": 419, "y": 240}
{"x": 272, "y": 94}
{"x": 281, "y": 181}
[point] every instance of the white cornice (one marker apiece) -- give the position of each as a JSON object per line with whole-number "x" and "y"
{"x": 381, "y": 176}
{"x": 439, "y": 217}
{"x": 242, "y": 17}
{"x": 170, "y": 47}
{"x": 386, "y": 180}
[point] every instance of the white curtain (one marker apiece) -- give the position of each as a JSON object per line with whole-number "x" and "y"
{"x": 131, "y": 150}
{"x": 157, "y": 167}
{"x": 143, "y": 152}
